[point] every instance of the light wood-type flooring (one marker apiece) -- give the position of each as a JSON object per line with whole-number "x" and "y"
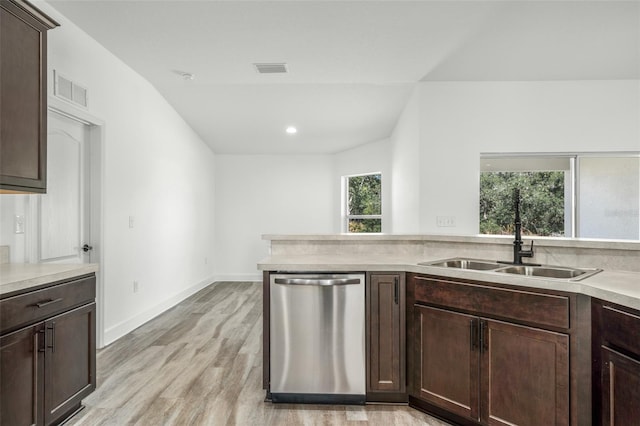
{"x": 200, "y": 363}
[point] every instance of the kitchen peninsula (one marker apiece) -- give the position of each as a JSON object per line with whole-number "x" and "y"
{"x": 471, "y": 334}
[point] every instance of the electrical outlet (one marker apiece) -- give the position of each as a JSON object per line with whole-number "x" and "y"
{"x": 446, "y": 221}
{"x": 136, "y": 287}
{"x": 206, "y": 260}
{"x": 132, "y": 221}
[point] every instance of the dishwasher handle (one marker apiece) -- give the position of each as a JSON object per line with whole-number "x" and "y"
{"x": 317, "y": 281}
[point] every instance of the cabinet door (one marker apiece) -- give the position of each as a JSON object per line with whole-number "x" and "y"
{"x": 386, "y": 334}
{"x": 23, "y": 107}
{"x": 620, "y": 389}
{"x": 447, "y": 358}
{"x": 525, "y": 375}
{"x": 21, "y": 377}
{"x": 69, "y": 361}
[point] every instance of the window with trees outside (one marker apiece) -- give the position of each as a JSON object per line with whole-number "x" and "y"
{"x": 564, "y": 195}
{"x": 363, "y": 203}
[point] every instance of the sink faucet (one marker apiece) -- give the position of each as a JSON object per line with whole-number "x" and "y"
{"x": 518, "y": 253}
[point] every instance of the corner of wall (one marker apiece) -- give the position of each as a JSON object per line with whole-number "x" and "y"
{"x": 119, "y": 330}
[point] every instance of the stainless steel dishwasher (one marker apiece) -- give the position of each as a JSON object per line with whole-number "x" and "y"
{"x": 317, "y": 338}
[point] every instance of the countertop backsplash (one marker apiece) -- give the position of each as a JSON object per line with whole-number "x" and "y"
{"x": 609, "y": 255}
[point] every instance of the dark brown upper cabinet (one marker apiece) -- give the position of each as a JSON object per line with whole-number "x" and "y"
{"x": 23, "y": 97}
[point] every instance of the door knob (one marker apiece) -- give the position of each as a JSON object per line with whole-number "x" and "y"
{"x": 86, "y": 248}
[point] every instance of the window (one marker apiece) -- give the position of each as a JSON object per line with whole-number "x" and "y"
{"x": 362, "y": 203}
{"x": 545, "y": 191}
{"x": 571, "y": 195}
{"x": 608, "y": 197}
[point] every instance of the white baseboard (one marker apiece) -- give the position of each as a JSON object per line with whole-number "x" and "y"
{"x": 117, "y": 331}
{"x": 238, "y": 277}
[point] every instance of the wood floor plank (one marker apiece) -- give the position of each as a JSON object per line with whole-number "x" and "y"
{"x": 200, "y": 363}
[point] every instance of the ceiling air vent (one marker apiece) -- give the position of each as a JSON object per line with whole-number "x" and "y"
{"x": 273, "y": 68}
{"x": 68, "y": 90}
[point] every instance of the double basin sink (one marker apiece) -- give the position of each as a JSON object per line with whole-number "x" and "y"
{"x": 540, "y": 271}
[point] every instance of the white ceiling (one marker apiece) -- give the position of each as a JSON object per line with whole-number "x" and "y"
{"x": 352, "y": 64}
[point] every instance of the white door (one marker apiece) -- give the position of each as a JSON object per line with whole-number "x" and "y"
{"x": 63, "y": 212}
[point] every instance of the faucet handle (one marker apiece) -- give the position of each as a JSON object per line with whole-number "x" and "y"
{"x": 530, "y": 251}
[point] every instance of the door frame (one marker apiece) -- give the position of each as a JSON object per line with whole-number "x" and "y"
{"x": 96, "y": 137}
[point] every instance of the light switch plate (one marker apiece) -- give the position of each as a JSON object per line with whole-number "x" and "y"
{"x": 18, "y": 224}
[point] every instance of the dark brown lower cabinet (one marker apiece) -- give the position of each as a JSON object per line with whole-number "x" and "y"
{"x": 492, "y": 372}
{"x": 21, "y": 373}
{"x": 620, "y": 389}
{"x": 47, "y": 367}
{"x": 69, "y": 361}
{"x": 448, "y": 361}
{"x": 524, "y": 375}
{"x": 616, "y": 362}
{"x": 386, "y": 359}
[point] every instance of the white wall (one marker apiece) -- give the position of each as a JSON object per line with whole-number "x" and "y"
{"x": 459, "y": 120}
{"x": 431, "y": 161}
{"x": 10, "y": 206}
{"x": 283, "y": 194}
{"x": 405, "y": 170}
{"x": 267, "y": 194}
{"x": 156, "y": 169}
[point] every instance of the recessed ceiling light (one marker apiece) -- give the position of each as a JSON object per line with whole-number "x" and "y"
{"x": 292, "y": 130}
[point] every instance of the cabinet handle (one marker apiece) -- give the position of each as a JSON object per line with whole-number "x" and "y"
{"x": 36, "y": 347}
{"x": 42, "y": 348}
{"x": 48, "y": 302}
{"x": 396, "y": 290}
{"x": 52, "y": 327}
{"x": 484, "y": 339}
{"x": 473, "y": 334}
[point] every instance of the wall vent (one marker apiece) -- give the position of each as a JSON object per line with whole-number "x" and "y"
{"x": 66, "y": 89}
{"x": 272, "y": 68}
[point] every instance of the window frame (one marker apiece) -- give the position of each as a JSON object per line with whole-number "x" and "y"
{"x": 572, "y": 201}
{"x": 570, "y": 180}
{"x": 346, "y": 217}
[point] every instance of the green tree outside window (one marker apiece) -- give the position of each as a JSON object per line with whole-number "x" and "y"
{"x": 542, "y": 202}
{"x": 364, "y": 203}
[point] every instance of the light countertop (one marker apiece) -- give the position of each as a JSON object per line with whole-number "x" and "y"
{"x": 619, "y": 287}
{"x": 17, "y": 277}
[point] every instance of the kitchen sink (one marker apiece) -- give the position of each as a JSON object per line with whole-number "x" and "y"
{"x": 540, "y": 271}
{"x": 549, "y": 272}
{"x": 461, "y": 263}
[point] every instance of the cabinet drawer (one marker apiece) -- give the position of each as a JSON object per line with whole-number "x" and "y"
{"x": 519, "y": 305}
{"x": 40, "y": 304}
{"x": 621, "y": 329}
